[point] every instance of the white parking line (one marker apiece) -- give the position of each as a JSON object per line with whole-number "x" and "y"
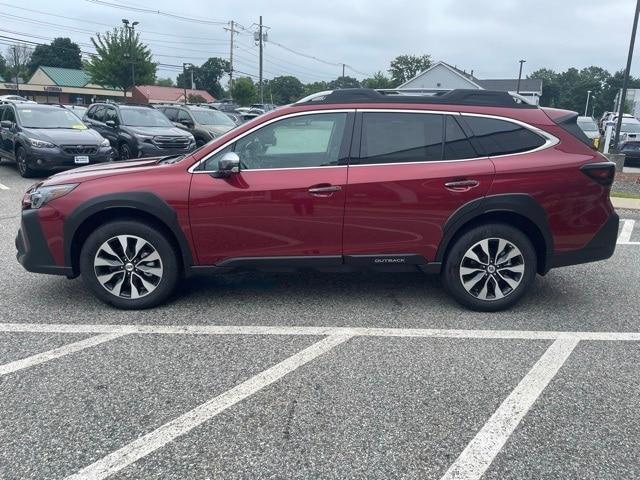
{"x": 154, "y": 440}
{"x": 317, "y": 331}
{"x": 480, "y": 452}
{"x": 57, "y": 352}
{"x": 625, "y": 234}
{"x": 3, "y": 187}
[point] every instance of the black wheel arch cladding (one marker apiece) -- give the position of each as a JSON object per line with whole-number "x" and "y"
{"x": 136, "y": 202}
{"x": 519, "y": 204}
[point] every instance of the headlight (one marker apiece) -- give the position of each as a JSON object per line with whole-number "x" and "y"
{"x": 105, "y": 143}
{"x": 37, "y": 196}
{"x": 144, "y": 138}
{"x": 40, "y": 143}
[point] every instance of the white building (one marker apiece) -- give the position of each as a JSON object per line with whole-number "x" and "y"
{"x": 442, "y": 76}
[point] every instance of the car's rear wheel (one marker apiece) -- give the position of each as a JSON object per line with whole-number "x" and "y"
{"x": 23, "y": 164}
{"x": 490, "y": 267}
{"x": 129, "y": 265}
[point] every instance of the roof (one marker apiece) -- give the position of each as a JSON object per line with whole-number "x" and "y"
{"x": 156, "y": 93}
{"x": 511, "y": 85}
{"x": 456, "y": 71}
{"x": 67, "y": 77}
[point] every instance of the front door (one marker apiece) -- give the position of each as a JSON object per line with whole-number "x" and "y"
{"x": 414, "y": 171}
{"x": 286, "y": 201}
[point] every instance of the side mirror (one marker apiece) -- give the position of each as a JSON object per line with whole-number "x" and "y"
{"x": 6, "y": 124}
{"x": 227, "y": 165}
{"x": 187, "y": 123}
{"x": 110, "y": 123}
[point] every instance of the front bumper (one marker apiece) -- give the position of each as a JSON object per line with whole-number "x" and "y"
{"x": 601, "y": 246}
{"x": 52, "y": 159}
{"x": 32, "y": 250}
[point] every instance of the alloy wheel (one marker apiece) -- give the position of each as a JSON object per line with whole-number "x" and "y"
{"x": 21, "y": 160}
{"x": 492, "y": 269}
{"x": 128, "y": 266}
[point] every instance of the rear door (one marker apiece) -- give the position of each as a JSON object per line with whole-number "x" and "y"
{"x": 286, "y": 205}
{"x": 413, "y": 171}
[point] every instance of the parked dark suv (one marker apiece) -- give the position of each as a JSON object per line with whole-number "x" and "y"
{"x": 136, "y": 131}
{"x": 203, "y": 123}
{"x": 48, "y": 138}
{"x": 473, "y": 185}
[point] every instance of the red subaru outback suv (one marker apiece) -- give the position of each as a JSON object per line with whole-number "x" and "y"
{"x": 473, "y": 185}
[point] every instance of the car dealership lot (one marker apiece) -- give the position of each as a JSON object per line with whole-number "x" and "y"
{"x": 320, "y": 376}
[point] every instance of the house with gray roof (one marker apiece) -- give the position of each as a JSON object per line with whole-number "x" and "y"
{"x": 441, "y": 77}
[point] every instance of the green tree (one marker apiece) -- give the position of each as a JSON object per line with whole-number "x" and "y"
{"x": 207, "y": 76}
{"x": 17, "y": 60}
{"x": 344, "y": 82}
{"x": 379, "y": 80}
{"x": 244, "y": 91}
{"x": 111, "y": 66}
{"x": 315, "y": 87}
{"x": 550, "y": 86}
{"x": 286, "y": 89}
{"x": 4, "y": 69}
{"x": 164, "y": 82}
{"x": 405, "y": 67}
{"x": 62, "y": 52}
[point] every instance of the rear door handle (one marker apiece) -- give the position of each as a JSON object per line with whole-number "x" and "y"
{"x": 324, "y": 190}
{"x": 461, "y": 185}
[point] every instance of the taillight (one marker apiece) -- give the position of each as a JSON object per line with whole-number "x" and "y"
{"x": 601, "y": 172}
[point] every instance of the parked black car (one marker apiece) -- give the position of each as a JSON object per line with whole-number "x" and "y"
{"x": 138, "y": 130}
{"x": 631, "y": 152}
{"x": 204, "y": 123}
{"x": 48, "y": 138}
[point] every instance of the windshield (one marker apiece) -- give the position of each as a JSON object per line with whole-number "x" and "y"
{"x": 588, "y": 126}
{"x": 49, "y": 118}
{"x": 143, "y": 117}
{"x": 212, "y": 117}
{"x": 630, "y": 127}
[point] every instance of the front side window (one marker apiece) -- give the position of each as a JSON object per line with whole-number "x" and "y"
{"x": 143, "y": 117}
{"x": 171, "y": 114}
{"x": 111, "y": 114}
{"x": 500, "y": 137}
{"x": 10, "y": 115}
{"x": 401, "y": 137}
{"x": 303, "y": 141}
{"x": 98, "y": 113}
{"x": 182, "y": 116}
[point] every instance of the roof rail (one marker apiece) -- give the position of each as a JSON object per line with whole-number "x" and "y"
{"x": 487, "y": 98}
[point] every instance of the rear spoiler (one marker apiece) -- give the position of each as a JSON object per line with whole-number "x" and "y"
{"x": 568, "y": 120}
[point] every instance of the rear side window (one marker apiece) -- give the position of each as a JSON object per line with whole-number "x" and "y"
{"x": 456, "y": 144}
{"x": 401, "y": 137}
{"x": 500, "y": 137}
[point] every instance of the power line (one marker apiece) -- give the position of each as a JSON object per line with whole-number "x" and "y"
{"x": 158, "y": 12}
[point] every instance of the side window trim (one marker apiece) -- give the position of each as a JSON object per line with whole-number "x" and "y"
{"x": 197, "y": 167}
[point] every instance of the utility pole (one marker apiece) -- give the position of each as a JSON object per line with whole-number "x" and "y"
{"x": 16, "y": 65}
{"x": 184, "y": 78}
{"x": 520, "y": 76}
{"x": 232, "y": 30}
{"x": 343, "y": 65}
{"x": 625, "y": 81}
{"x": 586, "y": 107}
{"x": 260, "y": 40}
{"x": 130, "y": 30}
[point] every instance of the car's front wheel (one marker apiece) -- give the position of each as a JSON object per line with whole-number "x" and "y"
{"x": 125, "y": 152}
{"x": 129, "y": 265}
{"x": 23, "y": 163}
{"x": 490, "y": 267}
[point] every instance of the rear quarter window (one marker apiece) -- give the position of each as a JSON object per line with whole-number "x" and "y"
{"x": 501, "y": 137}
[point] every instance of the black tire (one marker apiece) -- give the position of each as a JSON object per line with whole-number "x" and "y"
{"x": 22, "y": 161}
{"x": 124, "y": 151}
{"x": 168, "y": 261}
{"x": 498, "y": 276}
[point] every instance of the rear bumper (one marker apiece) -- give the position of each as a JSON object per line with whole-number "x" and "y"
{"x": 32, "y": 250}
{"x": 601, "y": 246}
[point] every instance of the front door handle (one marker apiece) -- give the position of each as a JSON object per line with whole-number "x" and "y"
{"x": 324, "y": 190}
{"x": 461, "y": 185}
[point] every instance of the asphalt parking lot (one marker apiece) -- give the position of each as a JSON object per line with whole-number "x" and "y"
{"x": 320, "y": 376}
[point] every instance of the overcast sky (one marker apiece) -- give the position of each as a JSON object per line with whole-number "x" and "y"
{"x": 488, "y": 36}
